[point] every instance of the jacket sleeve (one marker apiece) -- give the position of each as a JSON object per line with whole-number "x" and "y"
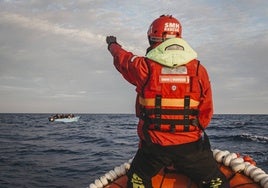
{"x": 133, "y": 68}
{"x": 206, "y": 105}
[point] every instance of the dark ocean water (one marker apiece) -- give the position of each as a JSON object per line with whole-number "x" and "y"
{"x": 37, "y": 153}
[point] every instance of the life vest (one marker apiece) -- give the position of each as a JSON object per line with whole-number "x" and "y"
{"x": 170, "y": 98}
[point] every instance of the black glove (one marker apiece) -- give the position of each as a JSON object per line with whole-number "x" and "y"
{"x": 110, "y": 40}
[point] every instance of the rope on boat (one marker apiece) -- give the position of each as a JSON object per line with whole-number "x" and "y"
{"x": 111, "y": 175}
{"x": 232, "y": 160}
{"x": 239, "y": 164}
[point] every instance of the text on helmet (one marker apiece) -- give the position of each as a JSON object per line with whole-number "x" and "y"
{"x": 169, "y": 26}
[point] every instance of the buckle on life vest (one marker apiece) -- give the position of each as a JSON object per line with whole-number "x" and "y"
{"x": 172, "y": 128}
{"x": 186, "y": 128}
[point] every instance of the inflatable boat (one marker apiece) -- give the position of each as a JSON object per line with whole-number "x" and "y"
{"x": 241, "y": 171}
{"x": 66, "y": 118}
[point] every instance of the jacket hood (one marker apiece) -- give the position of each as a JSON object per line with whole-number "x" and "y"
{"x": 172, "y": 53}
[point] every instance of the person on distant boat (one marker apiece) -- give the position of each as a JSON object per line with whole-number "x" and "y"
{"x": 70, "y": 116}
{"x": 174, "y": 105}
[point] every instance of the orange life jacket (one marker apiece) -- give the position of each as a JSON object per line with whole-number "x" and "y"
{"x": 170, "y": 98}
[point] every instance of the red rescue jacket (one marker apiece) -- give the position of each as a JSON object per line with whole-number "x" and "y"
{"x": 171, "y": 101}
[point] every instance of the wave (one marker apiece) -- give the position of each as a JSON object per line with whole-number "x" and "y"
{"x": 240, "y": 137}
{"x": 72, "y": 155}
{"x": 250, "y": 137}
{"x": 60, "y": 151}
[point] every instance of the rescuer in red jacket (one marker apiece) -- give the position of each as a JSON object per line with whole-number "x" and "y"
{"x": 174, "y": 106}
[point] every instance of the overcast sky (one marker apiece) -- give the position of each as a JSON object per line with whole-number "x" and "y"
{"x": 54, "y": 58}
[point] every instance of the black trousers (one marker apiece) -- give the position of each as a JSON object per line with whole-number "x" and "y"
{"x": 192, "y": 159}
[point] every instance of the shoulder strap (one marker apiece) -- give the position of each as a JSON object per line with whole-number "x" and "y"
{"x": 197, "y": 68}
{"x": 149, "y": 74}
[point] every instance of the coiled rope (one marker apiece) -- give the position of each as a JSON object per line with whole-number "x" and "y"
{"x": 232, "y": 160}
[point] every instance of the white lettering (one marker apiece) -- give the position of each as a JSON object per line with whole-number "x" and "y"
{"x": 174, "y": 79}
{"x": 174, "y": 27}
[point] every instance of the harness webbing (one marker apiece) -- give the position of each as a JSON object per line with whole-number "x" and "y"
{"x": 171, "y": 125}
{"x": 158, "y": 111}
{"x": 193, "y": 112}
{"x": 186, "y": 116}
{"x": 173, "y": 122}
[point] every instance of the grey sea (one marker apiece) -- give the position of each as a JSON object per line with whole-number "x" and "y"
{"x": 37, "y": 153}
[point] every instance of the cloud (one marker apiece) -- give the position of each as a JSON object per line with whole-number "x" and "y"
{"x": 55, "y": 51}
{"x": 43, "y": 25}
